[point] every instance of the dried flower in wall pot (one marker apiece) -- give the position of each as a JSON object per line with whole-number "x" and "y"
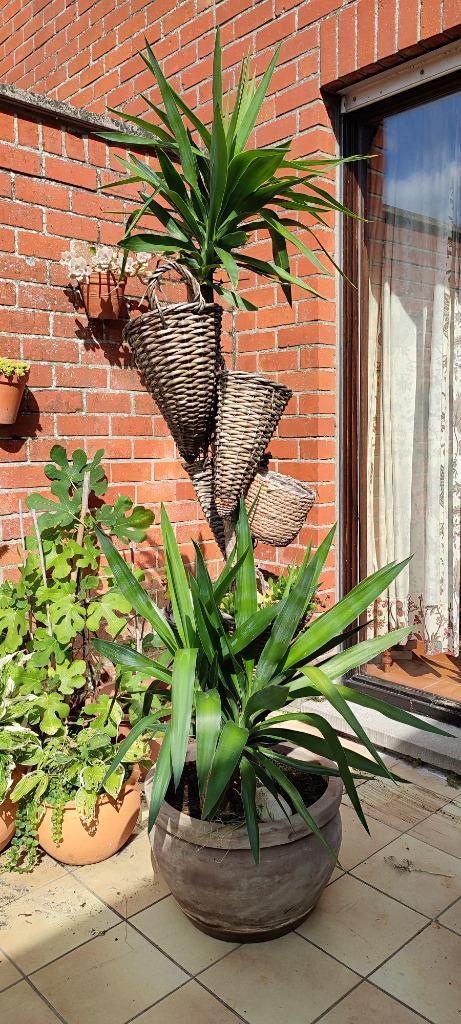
{"x": 100, "y": 273}
{"x": 13, "y": 379}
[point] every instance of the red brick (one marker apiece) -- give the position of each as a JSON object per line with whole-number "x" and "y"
{"x": 6, "y": 126}
{"x": 28, "y": 133}
{"x": 19, "y": 160}
{"x": 61, "y": 170}
{"x": 72, "y": 227}
{"x": 329, "y": 51}
{"x": 347, "y": 41}
{"x": 42, "y": 193}
{"x": 386, "y": 27}
{"x": 431, "y": 18}
{"x": 55, "y": 400}
{"x": 131, "y": 425}
{"x": 81, "y": 425}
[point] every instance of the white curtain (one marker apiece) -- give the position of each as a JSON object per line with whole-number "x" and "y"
{"x": 414, "y": 397}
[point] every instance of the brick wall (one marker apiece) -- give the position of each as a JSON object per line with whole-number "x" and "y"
{"x": 86, "y": 53}
{"x": 83, "y": 389}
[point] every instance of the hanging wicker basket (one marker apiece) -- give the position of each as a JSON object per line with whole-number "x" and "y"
{"x": 249, "y": 409}
{"x": 201, "y": 474}
{"x": 278, "y": 507}
{"x": 177, "y": 349}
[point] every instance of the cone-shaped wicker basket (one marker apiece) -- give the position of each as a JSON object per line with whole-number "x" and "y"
{"x": 201, "y": 474}
{"x": 278, "y": 507}
{"x": 249, "y": 409}
{"x": 177, "y": 349}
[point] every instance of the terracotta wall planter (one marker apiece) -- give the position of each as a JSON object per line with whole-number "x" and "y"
{"x": 11, "y": 392}
{"x": 104, "y": 297}
{"x": 7, "y": 822}
{"x": 88, "y": 844}
{"x": 212, "y": 874}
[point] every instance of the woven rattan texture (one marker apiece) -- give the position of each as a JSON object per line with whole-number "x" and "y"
{"x": 281, "y": 505}
{"x": 249, "y": 409}
{"x": 177, "y": 349}
{"x": 201, "y": 474}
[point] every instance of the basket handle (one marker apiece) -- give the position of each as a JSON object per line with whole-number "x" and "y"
{"x": 191, "y": 282}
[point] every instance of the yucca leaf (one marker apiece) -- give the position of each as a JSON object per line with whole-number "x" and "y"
{"x": 227, "y": 756}
{"x": 389, "y": 710}
{"x": 135, "y": 593}
{"x": 177, "y": 582}
{"x": 217, "y": 71}
{"x": 254, "y": 627}
{"x": 175, "y": 120}
{"x": 122, "y": 654}
{"x": 250, "y": 116}
{"x": 246, "y": 597}
{"x": 291, "y": 612}
{"x": 161, "y": 779}
{"x": 207, "y": 729}
{"x": 182, "y": 692}
{"x": 283, "y": 783}
{"x": 229, "y": 265}
{"x": 144, "y": 724}
{"x": 341, "y": 615}
{"x": 248, "y": 790}
{"x": 362, "y": 653}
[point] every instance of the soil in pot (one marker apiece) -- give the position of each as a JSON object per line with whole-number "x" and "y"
{"x": 84, "y": 843}
{"x": 210, "y": 868}
{"x": 187, "y": 798}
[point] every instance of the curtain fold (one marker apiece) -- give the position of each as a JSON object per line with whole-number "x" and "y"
{"x": 413, "y": 445}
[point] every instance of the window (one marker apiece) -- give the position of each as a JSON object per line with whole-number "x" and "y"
{"x": 402, "y": 385}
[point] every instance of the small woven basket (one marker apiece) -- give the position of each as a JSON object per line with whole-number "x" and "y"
{"x": 177, "y": 349}
{"x": 249, "y": 409}
{"x": 201, "y": 474}
{"x": 278, "y": 507}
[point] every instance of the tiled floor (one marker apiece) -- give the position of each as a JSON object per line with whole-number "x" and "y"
{"x": 107, "y": 944}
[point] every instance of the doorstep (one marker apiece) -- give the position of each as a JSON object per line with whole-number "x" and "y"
{"x": 440, "y": 751}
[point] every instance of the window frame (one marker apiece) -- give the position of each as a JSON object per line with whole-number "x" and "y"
{"x": 355, "y": 135}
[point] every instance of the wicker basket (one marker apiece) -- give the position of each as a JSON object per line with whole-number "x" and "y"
{"x": 177, "y": 349}
{"x": 201, "y": 474}
{"x": 249, "y": 409}
{"x": 280, "y": 506}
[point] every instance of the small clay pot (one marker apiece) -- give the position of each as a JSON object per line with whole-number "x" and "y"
{"x": 212, "y": 875}
{"x": 11, "y": 392}
{"x": 104, "y": 297}
{"x": 7, "y": 822}
{"x": 83, "y": 843}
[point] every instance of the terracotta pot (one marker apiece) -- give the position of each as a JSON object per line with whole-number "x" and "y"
{"x": 11, "y": 392}
{"x": 104, "y": 297}
{"x": 212, "y": 875}
{"x": 7, "y": 822}
{"x": 88, "y": 844}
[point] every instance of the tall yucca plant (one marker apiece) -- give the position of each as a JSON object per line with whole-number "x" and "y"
{"x": 225, "y": 696}
{"x": 213, "y": 191}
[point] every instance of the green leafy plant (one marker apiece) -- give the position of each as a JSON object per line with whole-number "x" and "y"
{"x": 64, "y": 596}
{"x": 13, "y": 369}
{"x": 236, "y": 702}
{"x": 270, "y": 590}
{"x": 214, "y": 192}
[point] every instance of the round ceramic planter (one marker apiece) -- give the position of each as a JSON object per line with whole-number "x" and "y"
{"x": 90, "y": 843}
{"x": 7, "y": 822}
{"x": 213, "y": 877}
{"x": 104, "y": 297}
{"x": 11, "y": 392}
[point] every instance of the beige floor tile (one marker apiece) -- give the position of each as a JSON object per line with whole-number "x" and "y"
{"x": 108, "y": 980}
{"x": 270, "y": 982}
{"x": 168, "y": 927}
{"x": 452, "y": 917}
{"x": 442, "y": 829}
{"x": 14, "y": 885}
{"x": 398, "y": 805}
{"x": 21, "y": 1005}
{"x": 8, "y": 972}
{"x": 128, "y": 881}
{"x": 358, "y": 926}
{"x": 50, "y": 921}
{"x": 425, "y": 975}
{"x": 426, "y": 778}
{"x": 189, "y": 1005}
{"x": 414, "y": 873}
{"x": 366, "y": 1003}
{"x": 356, "y": 843}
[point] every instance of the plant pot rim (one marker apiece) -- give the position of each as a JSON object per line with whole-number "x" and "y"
{"x": 104, "y": 798}
{"x": 15, "y": 380}
{"x": 271, "y": 833}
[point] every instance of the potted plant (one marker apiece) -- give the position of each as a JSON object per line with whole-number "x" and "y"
{"x": 49, "y": 617}
{"x": 14, "y": 374}
{"x": 236, "y": 872}
{"x": 101, "y": 272}
{"x": 211, "y": 197}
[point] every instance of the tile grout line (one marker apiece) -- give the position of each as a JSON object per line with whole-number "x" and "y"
{"x": 26, "y": 978}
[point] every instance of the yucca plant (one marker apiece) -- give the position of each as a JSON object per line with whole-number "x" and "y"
{"x": 236, "y": 704}
{"x": 213, "y": 191}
